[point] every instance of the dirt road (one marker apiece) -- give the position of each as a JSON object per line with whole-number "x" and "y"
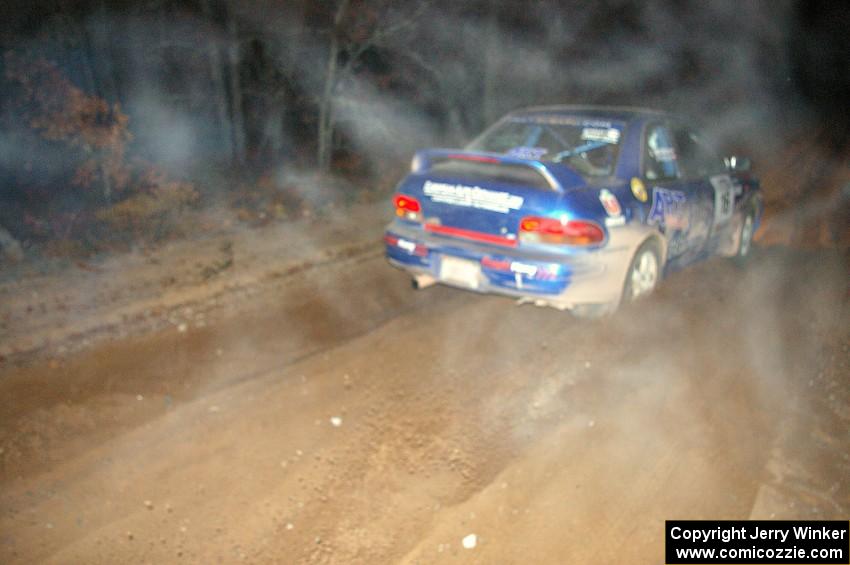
{"x": 339, "y": 417}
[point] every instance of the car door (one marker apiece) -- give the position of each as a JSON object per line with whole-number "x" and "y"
{"x": 697, "y": 169}
{"x": 669, "y": 198}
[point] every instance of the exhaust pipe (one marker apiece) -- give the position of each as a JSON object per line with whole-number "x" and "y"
{"x": 422, "y": 281}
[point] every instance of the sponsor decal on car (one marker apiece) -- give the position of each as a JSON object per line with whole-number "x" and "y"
{"x": 608, "y": 135}
{"x": 668, "y": 209}
{"x": 615, "y": 221}
{"x": 472, "y": 197}
{"x": 664, "y": 154}
{"x": 610, "y": 203}
{"x": 524, "y": 268}
{"x": 532, "y": 153}
{"x": 639, "y": 189}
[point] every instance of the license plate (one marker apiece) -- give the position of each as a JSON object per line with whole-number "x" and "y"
{"x": 460, "y": 271}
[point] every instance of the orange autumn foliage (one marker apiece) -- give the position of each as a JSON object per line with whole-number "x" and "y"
{"x": 60, "y": 111}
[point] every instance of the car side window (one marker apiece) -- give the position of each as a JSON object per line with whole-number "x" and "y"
{"x": 660, "y": 162}
{"x": 695, "y": 158}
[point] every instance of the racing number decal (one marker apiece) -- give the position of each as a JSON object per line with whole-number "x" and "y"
{"x": 724, "y": 198}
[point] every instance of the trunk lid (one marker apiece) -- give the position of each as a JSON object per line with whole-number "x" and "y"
{"x": 483, "y": 196}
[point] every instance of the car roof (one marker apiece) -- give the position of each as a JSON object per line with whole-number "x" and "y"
{"x": 621, "y": 113}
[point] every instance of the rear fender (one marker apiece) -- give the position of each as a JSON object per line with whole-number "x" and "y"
{"x": 615, "y": 259}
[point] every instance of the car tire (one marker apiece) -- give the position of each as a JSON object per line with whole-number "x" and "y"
{"x": 745, "y": 240}
{"x": 644, "y": 272}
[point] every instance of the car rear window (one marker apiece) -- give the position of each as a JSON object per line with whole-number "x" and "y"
{"x": 588, "y": 145}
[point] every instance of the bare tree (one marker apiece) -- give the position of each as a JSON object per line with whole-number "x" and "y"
{"x": 491, "y": 54}
{"x": 219, "y": 86}
{"x": 236, "y": 112}
{"x": 325, "y": 133}
{"x": 353, "y": 33}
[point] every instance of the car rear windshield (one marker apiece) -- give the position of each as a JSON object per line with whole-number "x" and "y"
{"x": 590, "y": 146}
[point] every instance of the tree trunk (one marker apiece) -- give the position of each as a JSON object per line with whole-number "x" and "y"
{"x": 492, "y": 52}
{"x": 77, "y": 35}
{"x": 88, "y": 63}
{"x": 9, "y": 246}
{"x": 218, "y": 84}
{"x": 102, "y": 34}
{"x": 325, "y": 132}
{"x": 236, "y": 113}
{"x": 326, "y": 109}
{"x": 106, "y": 73}
{"x": 107, "y": 182}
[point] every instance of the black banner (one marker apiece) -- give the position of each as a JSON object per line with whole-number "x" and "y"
{"x": 820, "y": 542}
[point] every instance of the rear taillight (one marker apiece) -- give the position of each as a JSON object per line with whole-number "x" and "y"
{"x": 534, "y": 229}
{"x": 407, "y": 207}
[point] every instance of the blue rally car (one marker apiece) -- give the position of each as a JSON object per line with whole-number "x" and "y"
{"x": 580, "y": 208}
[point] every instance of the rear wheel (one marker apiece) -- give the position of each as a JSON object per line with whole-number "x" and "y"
{"x": 643, "y": 274}
{"x": 641, "y": 279}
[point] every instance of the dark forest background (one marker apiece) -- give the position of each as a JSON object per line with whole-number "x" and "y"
{"x": 120, "y": 119}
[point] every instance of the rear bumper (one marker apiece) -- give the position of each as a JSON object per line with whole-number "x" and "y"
{"x": 564, "y": 278}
